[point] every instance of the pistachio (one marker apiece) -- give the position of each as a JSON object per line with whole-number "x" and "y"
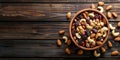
{"x": 61, "y": 32}
{"x": 68, "y": 15}
{"x": 117, "y": 39}
{"x": 108, "y": 7}
{"x": 80, "y": 52}
{"x": 100, "y": 3}
{"x": 109, "y": 15}
{"x": 115, "y": 53}
{"x": 100, "y": 9}
{"x": 103, "y": 49}
{"x": 67, "y": 50}
{"x": 118, "y": 24}
{"x": 99, "y": 43}
{"x": 114, "y": 14}
{"x": 109, "y": 44}
{"x": 92, "y": 6}
{"x": 59, "y": 43}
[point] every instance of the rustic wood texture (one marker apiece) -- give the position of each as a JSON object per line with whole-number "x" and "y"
{"x": 29, "y": 28}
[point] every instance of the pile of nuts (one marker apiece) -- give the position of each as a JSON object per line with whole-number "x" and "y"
{"x": 89, "y": 29}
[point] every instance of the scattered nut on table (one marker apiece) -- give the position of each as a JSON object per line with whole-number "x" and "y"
{"x": 109, "y": 15}
{"x": 115, "y": 33}
{"x": 108, "y": 7}
{"x": 111, "y": 27}
{"x": 100, "y": 9}
{"x": 114, "y": 14}
{"x": 68, "y": 15}
{"x": 117, "y": 39}
{"x": 96, "y": 54}
{"x": 61, "y": 32}
{"x": 100, "y": 3}
{"x": 65, "y": 38}
{"x": 109, "y": 44}
{"x": 115, "y": 53}
{"x": 92, "y": 6}
{"x": 68, "y": 42}
{"x": 59, "y": 43}
{"x": 80, "y": 52}
{"x": 67, "y": 50}
{"x": 103, "y": 49}
{"x": 118, "y": 24}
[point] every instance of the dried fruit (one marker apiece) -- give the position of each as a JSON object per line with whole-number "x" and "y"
{"x": 61, "y": 32}
{"x": 118, "y": 24}
{"x": 115, "y": 53}
{"x": 103, "y": 49}
{"x": 59, "y": 43}
{"x": 109, "y": 44}
{"x": 99, "y": 43}
{"x": 117, "y": 39}
{"x": 109, "y": 15}
{"x": 100, "y": 3}
{"x": 114, "y": 14}
{"x": 80, "y": 52}
{"x": 67, "y": 50}
{"x": 108, "y": 7}
{"x": 92, "y": 6}
{"x": 68, "y": 15}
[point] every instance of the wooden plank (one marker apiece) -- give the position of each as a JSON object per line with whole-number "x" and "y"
{"x": 43, "y": 12}
{"x": 61, "y": 1}
{"x": 34, "y": 30}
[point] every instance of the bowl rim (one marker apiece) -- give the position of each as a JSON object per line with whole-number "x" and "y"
{"x": 70, "y": 26}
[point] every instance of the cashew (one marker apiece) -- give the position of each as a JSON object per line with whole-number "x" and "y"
{"x": 104, "y": 34}
{"x": 80, "y": 30}
{"x": 104, "y": 29}
{"x": 115, "y": 33}
{"x": 102, "y": 23}
{"x": 111, "y": 27}
{"x": 91, "y": 23}
{"x": 65, "y": 38}
{"x": 100, "y": 9}
{"x": 91, "y": 40}
{"x": 87, "y": 45}
{"x": 77, "y": 35}
{"x": 89, "y": 27}
{"x": 82, "y": 20}
{"x": 91, "y": 14}
{"x": 96, "y": 54}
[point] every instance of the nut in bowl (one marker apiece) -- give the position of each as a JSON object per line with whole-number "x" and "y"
{"x": 89, "y": 29}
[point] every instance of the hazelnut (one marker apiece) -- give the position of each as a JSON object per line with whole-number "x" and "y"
{"x": 115, "y": 53}
{"x": 118, "y": 24}
{"x": 80, "y": 52}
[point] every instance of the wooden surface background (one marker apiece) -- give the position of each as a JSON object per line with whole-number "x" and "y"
{"x": 29, "y": 28}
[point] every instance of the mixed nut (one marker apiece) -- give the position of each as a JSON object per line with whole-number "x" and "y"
{"x": 88, "y": 29}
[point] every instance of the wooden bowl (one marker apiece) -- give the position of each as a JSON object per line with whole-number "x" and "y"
{"x": 70, "y": 27}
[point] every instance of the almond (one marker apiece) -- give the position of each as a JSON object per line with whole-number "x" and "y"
{"x": 92, "y": 35}
{"x": 108, "y": 7}
{"x": 80, "y": 52}
{"x": 100, "y": 3}
{"x": 109, "y": 44}
{"x": 109, "y": 15}
{"x": 99, "y": 43}
{"x": 67, "y": 50}
{"x": 103, "y": 49}
{"x": 68, "y": 42}
{"x": 61, "y": 32}
{"x": 115, "y": 53}
{"x": 117, "y": 39}
{"x": 92, "y": 6}
{"x": 118, "y": 24}
{"x": 114, "y": 14}
{"x": 59, "y": 43}
{"x": 68, "y": 15}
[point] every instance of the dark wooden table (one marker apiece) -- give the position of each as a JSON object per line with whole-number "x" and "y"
{"x": 29, "y": 28}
